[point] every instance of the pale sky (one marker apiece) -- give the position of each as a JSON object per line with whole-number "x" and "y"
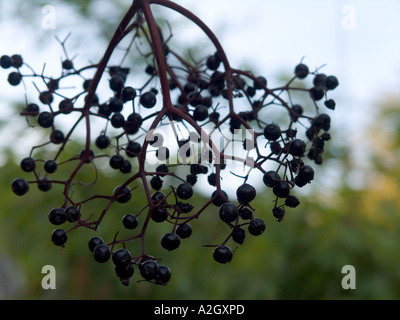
{"x": 357, "y": 40}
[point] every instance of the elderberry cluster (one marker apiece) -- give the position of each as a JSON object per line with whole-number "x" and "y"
{"x": 163, "y": 135}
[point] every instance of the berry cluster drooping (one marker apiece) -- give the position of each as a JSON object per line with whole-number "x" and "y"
{"x": 189, "y": 119}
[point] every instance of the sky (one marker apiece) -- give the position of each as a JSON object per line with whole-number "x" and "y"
{"x": 357, "y": 41}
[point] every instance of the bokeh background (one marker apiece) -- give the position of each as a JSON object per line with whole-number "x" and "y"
{"x": 348, "y": 216}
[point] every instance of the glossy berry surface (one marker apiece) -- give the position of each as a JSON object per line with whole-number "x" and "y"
{"x": 164, "y": 275}
{"x": 272, "y": 132}
{"x": 20, "y": 186}
{"x": 148, "y": 269}
{"x": 94, "y": 242}
{"x": 130, "y": 221}
{"x": 246, "y": 193}
{"x": 121, "y": 257}
{"x": 102, "y": 253}
{"x": 184, "y": 230}
{"x": 222, "y": 254}
{"x": 228, "y": 212}
{"x": 57, "y": 216}
{"x": 256, "y": 227}
{"x": 59, "y": 237}
{"x": 170, "y": 241}
{"x": 184, "y": 191}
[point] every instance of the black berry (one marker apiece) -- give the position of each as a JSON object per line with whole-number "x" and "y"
{"x": 245, "y": 193}
{"x": 170, "y": 241}
{"x": 256, "y": 227}
{"x": 272, "y": 132}
{"x": 222, "y": 254}
{"x": 101, "y": 253}
{"x": 184, "y": 230}
{"x": 57, "y": 216}
{"x": 228, "y": 212}
{"x": 94, "y": 242}
{"x": 20, "y": 186}
{"x": 130, "y": 221}
{"x": 59, "y": 237}
{"x": 184, "y": 191}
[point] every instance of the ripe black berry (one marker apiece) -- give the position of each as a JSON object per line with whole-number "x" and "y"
{"x": 124, "y": 271}
{"x": 159, "y": 214}
{"x": 297, "y": 147}
{"x": 184, "y": 191}
{"x": 322, "y": 121}
{"x": 50, "y": 166}
{"x": 164, "y": 275}
{"x": 116, "y": 161}
{"x": 222, "y": 254}
{"x": 301, "y": 71}
{"x": 133, "y": 149}
{"x": 32, "y": 108}
{"x": 245, "y": 213}
{"x": 57, "y": 137}
{"x": 238, "y": 235}
{"x": 133, "y": 123}
{"x": 156, "y": 183}
{"x": 158, "y": 198}
{"x": 219, "y": 200}
{"x": 45, "y": 119}
{"x": 256, "y": 227}
{"x": 128, "y": 94}
{"x": 278, "y": 213}
{"x": 263, "y": 81}
{"x": 305, "y": 175}
{"x": 170, "y": 241}
{"x": 46, "y": 97}
{"x": 28, "y": 164}
{"x": 103, "y": 142}
{"x": 73, "y": 214}
{"x": 272, "y": 132}
{"x": 67, "y": 65}
{"x": 116, "y": 105}
{"x": 121, "y": 257}
{"x": 330, "y": 104}
{"x": 185, "y": 207}
{"x": 116, "y": 83}
{"x": 59, "y": 237}
{"x": 184, "y": 230}
{"x": 44, "y": 184}
{"x": 331, "y": 83}
{"x": 212, "y": 179}
{"x": 94, "y": 242}
{"x": 245, "y": 193}
{"x": 271, "y": 178}
{"x": 200, "y": 113}
{"x": 292, "y": 201}
{"x": 317, "y": 93}
{"x": 319, "y": 80}
{"x": 57, "y": 216}
{"x": 101, "y": 253}
{"x": 6, "y": 62}
{"x": 130, "y": 221}
{"x": 14, "y": 78}
{"x": 17, "y": 61}
{"x": 228, "y": 212}
{"x": 281, "y": 189}
{"x": 148, "y": 269}
{"x": 20, "y": 186}
{"x": 124, "y": 195}
{"x": 117, "y": 120}
{"x": 148, "y": 100}
{"x": 126, "y": 167}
